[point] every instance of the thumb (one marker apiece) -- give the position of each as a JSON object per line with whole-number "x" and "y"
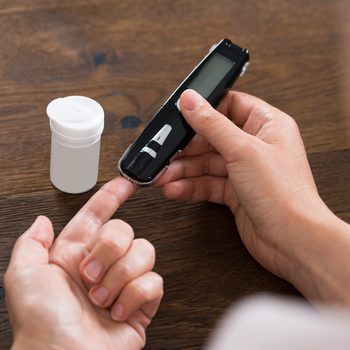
{"x": 32, "y": 248}
{"x": 216, "y": 128}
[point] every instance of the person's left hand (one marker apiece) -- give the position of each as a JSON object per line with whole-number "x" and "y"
{"x": 91, "y": 288}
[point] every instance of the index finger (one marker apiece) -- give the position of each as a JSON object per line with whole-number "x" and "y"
{"x": 98, "y": 210}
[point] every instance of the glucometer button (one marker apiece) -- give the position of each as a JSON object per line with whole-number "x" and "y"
{"x": 244, "y": 69}
{"x": 212, "y": 47}
{"x": 177, "y": 104}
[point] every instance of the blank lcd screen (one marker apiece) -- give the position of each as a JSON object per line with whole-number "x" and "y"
{"x": 211, "y": 75}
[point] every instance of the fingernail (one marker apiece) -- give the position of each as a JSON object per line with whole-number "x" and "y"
{"x": 118, "y": 312}
{"x": 100, "y": 295}
{"x": 93, "y": 270}
{"x": 192, "y": 100}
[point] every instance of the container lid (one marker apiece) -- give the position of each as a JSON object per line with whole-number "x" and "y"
{"x": 76, "y": 117}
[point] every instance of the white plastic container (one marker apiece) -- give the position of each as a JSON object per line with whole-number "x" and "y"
{"x": 76, "y": 124}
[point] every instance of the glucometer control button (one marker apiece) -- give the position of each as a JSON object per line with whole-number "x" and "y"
{"x": 212, "y": 47}
{"x": 244, "y": 69}
{"x": 177, "y": 104}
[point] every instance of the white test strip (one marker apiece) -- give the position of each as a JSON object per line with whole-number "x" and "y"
{"x": 150, "y": 151}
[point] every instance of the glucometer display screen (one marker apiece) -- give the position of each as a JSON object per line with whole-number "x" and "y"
{"x": 211, "y": 75}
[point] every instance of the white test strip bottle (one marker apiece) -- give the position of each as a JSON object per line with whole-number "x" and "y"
{"x": 76, "y": 124}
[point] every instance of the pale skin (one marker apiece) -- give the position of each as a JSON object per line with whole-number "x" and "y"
{"x": 51, "y": 294}
{"x": 250, "y": 156}
{"x": 247, "y": 155}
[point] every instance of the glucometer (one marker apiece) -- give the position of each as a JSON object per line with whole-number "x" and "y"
{"x": 168, "y": 133}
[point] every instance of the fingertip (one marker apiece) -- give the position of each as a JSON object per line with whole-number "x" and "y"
{"x": 42, "y": 220}
{"x": 126, "y": 185}
{"x": 42, "y": 229}
{"x": 32, "y": 247}
{"x": 122, "y": 187}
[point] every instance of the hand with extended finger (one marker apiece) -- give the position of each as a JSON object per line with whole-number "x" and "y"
{"x": 91, "y": 288}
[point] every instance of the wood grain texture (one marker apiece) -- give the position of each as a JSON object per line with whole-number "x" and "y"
{"x": 129, "y": 55}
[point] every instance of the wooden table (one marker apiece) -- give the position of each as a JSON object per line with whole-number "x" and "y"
{"x": 129, "y": 55}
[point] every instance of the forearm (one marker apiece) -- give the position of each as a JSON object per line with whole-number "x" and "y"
{"x": 321, "y": 269}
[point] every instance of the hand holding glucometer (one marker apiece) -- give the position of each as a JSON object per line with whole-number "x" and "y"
{"x": 168, "y": 133}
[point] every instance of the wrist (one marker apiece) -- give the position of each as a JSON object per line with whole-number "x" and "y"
{"x": 320, "y": 255}
{"x": 46, "y": 339}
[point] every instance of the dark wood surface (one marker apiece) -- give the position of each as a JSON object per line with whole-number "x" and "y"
{"x": 129, "y": 55}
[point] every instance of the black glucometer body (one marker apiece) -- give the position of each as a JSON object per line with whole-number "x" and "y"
{"x": 168, "y": 133}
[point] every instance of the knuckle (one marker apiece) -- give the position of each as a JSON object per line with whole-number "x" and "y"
{"x": 213, "y": 122}
{"x": 291, "y": 123}
{"x": 108, "y": 188}
{"x": 264, "y": 112}
{"x": 120, "y": 225}
{"x": 111, "y": 244}
{"x": 287, "y": 128}
{"x": 141, "y": 292}
{"x": 125, "y": 272}
{"x": 210, "y": 118}
{"x": 149, "y": 292}
{"x": 111, "y": 239}
{"x": 109, "y": 194}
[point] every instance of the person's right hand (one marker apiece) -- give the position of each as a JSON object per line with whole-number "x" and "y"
{"x": 250, "y": 156}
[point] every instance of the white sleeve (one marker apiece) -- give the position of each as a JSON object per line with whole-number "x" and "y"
{"x": 275, "y": 323}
